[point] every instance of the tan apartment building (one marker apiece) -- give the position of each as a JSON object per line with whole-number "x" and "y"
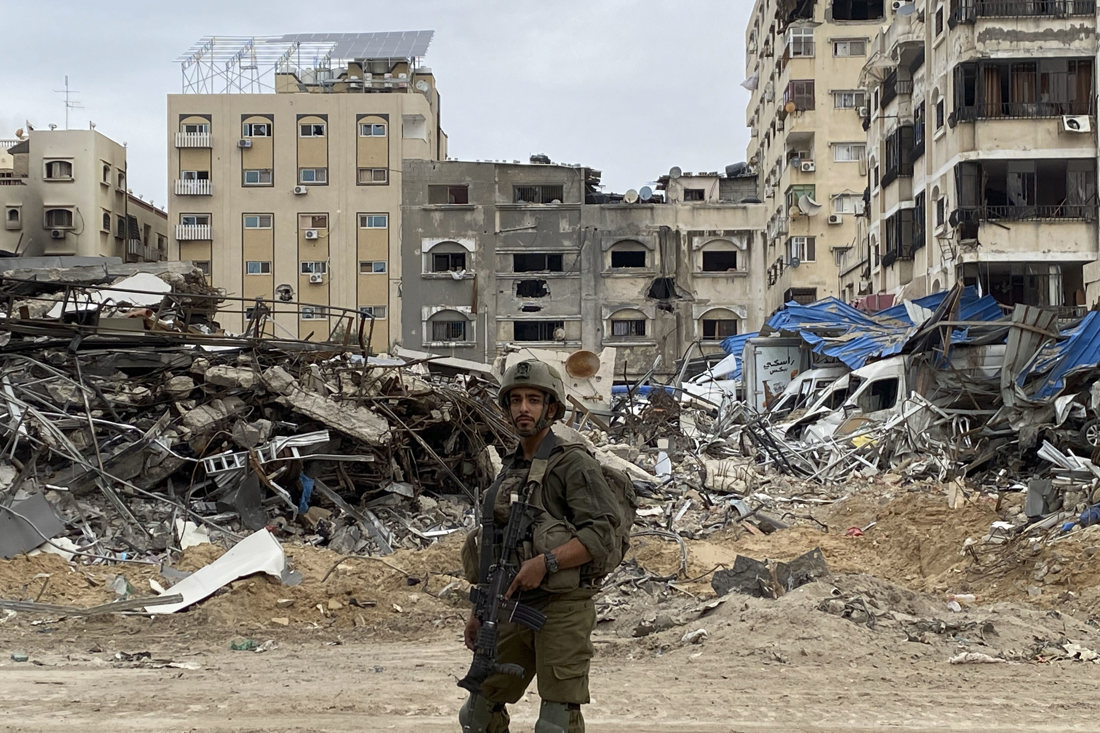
{"x": 64, "y": 193}
{"x": 982, "y": 153}
{"x": 502, "y": 256}
{"x": 286, "y": 158}
{"x": 808, "y": 144}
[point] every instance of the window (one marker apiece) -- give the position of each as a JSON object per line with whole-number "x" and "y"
{"x": 314, "y": 267}
{"x": 256, "y": 129}
{"x": 537, "y": 262}
{"x": 448, "y": 261}
{"x": 545, "y": 194}
{"x": 803, "y": 248}
{"x": 939, "y": 114}
{"x": 311, "y": 129}
{"x": 313, "y": 312}
{"x": 627, "y": 328}
{"x": 848, "y": 152}
{"x": 59, "y": 170}
{"x": 849, "y": 99}
{"x": 630, "y": 258}
{"x": 373, "y": 311}
{"x": 194, "y": 175}
{"x": 372, "y": 129}
{"x": 59, "y": 218}
{"x": 122, "y": 179}
{"x": 850, "y": 47}
{"x": 374, "y": 221}
{"x": 939, "y": 20}
{"x": 716, "y": 329}
{"x": 313, "y": 175}
{"x": 801, "y": 92}
{"x": 448, "y": 194}
{"x": 107, "y": 173}
{"x": 195, "y": 219}
{"x": 695, "y": 194}
{"x": 372, "y": 267}
{"x": 196, "y": 128}
{"x": 106, "y": 225}
{"x": 204, "y": 266}
{"x": 719, "y": 260}
{"x": 847, "y": 203}
{"x": 257, "y": 267}
{"x": 373, "y": 175}
{"x": 538, "y": 330}
{"x": 941, "y": 210}
{"x": 313, "y": 221}
{"x": 258, "y": 177}
{"x": 257, "y": 221}
{"x": 800, "y": 42}
{"x": 449, "y": 330}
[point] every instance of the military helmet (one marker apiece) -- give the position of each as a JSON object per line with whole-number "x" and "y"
{"x": 532, "y": 373}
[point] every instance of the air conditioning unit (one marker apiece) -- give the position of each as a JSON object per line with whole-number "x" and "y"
{"x": 835, "y": 219}
{"x": 300, "y": 190}
{"x": 244, "y": 143}
{"x": 311, "y": 234}
{"x": 316, "y": 278}
{"x": 1076, "y": 123}
{"x": 862, "y": 112}
{"x": 57, "y": 234}
{"x": 808, "y": 166}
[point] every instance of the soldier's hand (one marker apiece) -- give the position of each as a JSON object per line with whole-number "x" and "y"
{"x": 530, "y": 575}
{"x": 469, "y": 634}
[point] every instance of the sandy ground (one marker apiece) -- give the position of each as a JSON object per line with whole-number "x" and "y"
{"x": 375, "y": 644}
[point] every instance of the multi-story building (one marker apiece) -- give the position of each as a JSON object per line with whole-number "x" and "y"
{"x": 804, "y": 60}
{"x": 503, "y": 255}
{"x": 64, "y": 193}
{"x": 286, "y": 158}
{"x": 982, "y": 152}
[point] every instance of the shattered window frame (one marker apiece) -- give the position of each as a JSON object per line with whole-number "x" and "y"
{"x": 627, "y": 328}
{"x": 625, "y": 258}
{"x": 538, "y": 193}
{"x": 311, "y": 129}
{"x": 848, "y": 46}
{"x": 442, "y": 262}
{"x": 313, "y": 313}
{"x": 527, "y": 261}
{"x": 377, "y": 312}
{"x": 313, "y": 221}
{"x": 448, "y": 330}
{"x": 717, "y": 329}
{"x": 444, "y": 194}
{"x": 313, "y": 267}
{"x": 256, "y": 129}
{"x": 849, "y": 99}
{"x": 713, "y": 258}
{"x": 372, "y": 129}
{"x": 58, "y": 169}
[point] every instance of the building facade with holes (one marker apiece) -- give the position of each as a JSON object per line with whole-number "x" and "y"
{"x": 983, "y": 153}
{"x": 506, "y": 255}
{"x": 808, "y": 145}
{"x": 285, "y": 160}
{"x": 64, "y": 193}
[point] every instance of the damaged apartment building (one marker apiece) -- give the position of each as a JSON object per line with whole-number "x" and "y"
{"x": 501, "y": 256}
{"x": 803, "y": 63}
{"x": 285, "y": 162}
{"x": 981, "y": 153}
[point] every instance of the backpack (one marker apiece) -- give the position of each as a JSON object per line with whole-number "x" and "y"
{"x": 626, "y": 508}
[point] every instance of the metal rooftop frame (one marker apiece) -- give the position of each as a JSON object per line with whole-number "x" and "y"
{"x": 248, "y": 64}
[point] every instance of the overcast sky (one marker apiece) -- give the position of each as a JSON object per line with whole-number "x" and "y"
{"x": 629, "y": 87}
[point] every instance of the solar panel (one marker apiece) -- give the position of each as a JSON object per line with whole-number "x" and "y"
{"x": 384, "y": 45}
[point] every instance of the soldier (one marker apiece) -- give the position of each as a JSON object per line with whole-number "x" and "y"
{"x": 562, "y": 561}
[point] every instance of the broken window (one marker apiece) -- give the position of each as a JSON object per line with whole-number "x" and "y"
{"x": 373, "y": 175}
{"x": 537, "y": 262}
{"x": 1023, "y": 88}
{"x": 881, "y": 395}
{"x": 716, "y": 329}
{"x": 538, "y": 330}
{"x": 719, "y": 260}
{"x": 546, "y": 194}
{"x": 802, "y": 296}
{"x": 850, "y": 47}
{"x": 800, "y": 42}
{"x": 662, "y": 288}
{"x": 627, "y": 328}
{"x": 899, "y": 148}
{"x": 1025, "y": 189}
{"x": 849, "y": 99}
{"x": 313, "y": 221}
{"x": 532, "y": 289}
{"x": 857, "y": 9}
{"x": 628, "y": 258}
{"x": 448, "y": 194}
{"x": 448, "y": 261}
{"x": 59, "y": 218}
{"x": 59, "y": 170}
{"x": 449, "y": 330}
{"x": 695, "y": 194}
{"x": 801, "y": 92}
{"x": 899, "y": 237}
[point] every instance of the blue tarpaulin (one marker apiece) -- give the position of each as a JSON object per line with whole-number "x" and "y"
{"x": 736, "y": 345}
{"x": 1078, "y": 349}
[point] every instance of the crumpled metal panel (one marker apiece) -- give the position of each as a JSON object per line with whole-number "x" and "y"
{"x": 1078, "y": 349}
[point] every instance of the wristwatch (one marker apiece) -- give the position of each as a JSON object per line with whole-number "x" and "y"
{"x": 551, "y": 561}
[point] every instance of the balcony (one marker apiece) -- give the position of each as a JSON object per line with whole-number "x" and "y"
{"x": 190, "y": 232}
{"x": 193, "y": 140}
{"x": 970, "y": 10}
{"x": 193, "y": 187}
{"x": 1021, "y": 110}
{"x": 1028, "y": 212}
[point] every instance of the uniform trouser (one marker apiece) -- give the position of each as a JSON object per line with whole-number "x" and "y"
{"x": 558, "y": 656}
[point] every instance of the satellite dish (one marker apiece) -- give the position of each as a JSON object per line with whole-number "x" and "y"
{"x": 906, "y": 9}
{"x": 421, "y": 86}
{"x": 790, "y": 107}
{"x": 674, "y": 172}
{"x": 19, "y": 133}
{"x": 807, "y": 205}
{"x": 645, "y": 193}
{"x": 582, "y": 364}
{"x": 631, "y": 196}
{"x": 795, "y": 262}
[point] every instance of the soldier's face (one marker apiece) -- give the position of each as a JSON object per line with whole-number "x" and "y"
{"x": 526, "y": 406}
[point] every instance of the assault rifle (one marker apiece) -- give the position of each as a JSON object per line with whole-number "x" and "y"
{"x": 490, "y": 606}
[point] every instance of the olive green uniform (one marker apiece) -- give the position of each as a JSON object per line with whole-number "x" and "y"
{"x": 574, "y": 501}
